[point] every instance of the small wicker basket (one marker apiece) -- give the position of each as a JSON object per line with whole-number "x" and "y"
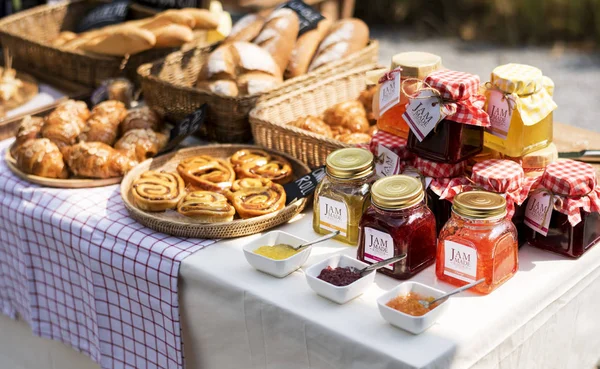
{"x": 168, "y": 87}
{"x": 269, "y": 120}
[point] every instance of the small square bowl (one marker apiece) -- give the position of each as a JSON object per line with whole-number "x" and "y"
{"x": 341, "y": 295}
{"x": 276, "y": 268}
{"x": 413, "y": 324}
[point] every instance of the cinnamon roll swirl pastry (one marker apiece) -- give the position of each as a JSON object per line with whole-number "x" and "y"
{"x": 253, "y": 202}
{"x": 244, "y": 156}
{"x": 206, "y": 207}
{"x": 142, "y": 118}
{"x": 29, "y": 129}
{"x": 277, "y": 169}
{"x": 157, "y": 191}
{"x": 141, "y": 144}
{"x": 247, "y": 183}
{"x": 204, "y": 172}
{"x": 97, "y": 160}
{"x": 41, "y": 157}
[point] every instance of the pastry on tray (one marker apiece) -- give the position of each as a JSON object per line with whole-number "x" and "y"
{"x": 96, "y": 160}
{"x": 141, "y": 118}
{"x": 277, "y": 169}
{"x": 29, "y": 129}
{"x": 206, "y": 207}
{"x": 253, "y": 202}
{"x": 157, "y": 191}
{"x": 204, "y": 172}
{"x": 41, "y": 157}
{"x": 141, "y": 144}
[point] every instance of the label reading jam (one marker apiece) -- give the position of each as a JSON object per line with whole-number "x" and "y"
{"x": 539, "y": 212}
{"x": 378, "y": 246}
{"x": 500, "y": 111}
{"x": 388, "y": 163}
{"x": 333, "y": 215}
{"x": 460, "y": 261}
{"x": 423, "y": 113}
{"x": 389, "y": 93}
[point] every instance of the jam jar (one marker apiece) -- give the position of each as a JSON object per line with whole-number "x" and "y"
{"x": 523, "y": 91}
{"x": 575, "y": 217}
{"x": 478, "y": 242}
{"x": 343, "y": 194}
{"x": 398, "y": 222}
{"x": 459, "y": 135}
{"x": 415, "y": 66}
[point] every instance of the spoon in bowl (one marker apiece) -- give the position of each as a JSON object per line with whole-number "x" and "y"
{"x": 318, "y": 240}
{"x": 379, "y": 265}
{"x": 427, "y": 304}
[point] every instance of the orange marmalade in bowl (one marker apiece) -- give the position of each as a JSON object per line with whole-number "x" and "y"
{"x": 409, "y": 304}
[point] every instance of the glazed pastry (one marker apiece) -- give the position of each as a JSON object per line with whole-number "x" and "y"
{"x": 244, "y": 156}
{"x": 99, "y": 128}
{"x": 355, "y": 138}
{"x": 277, "y": 170}
{"x": 62, "y": 127}
{"x": 206, "y": 173}
{"x": 245, "y": 183}
{"x": 350, "y": 115}
{"x": 339, "y": 131}
{"x": 79, "y": 108}
{"x": 313, "y": 124}
{"x": 157, "y": 191}
{"x": 206, "y": 207}
{"x": 29, "y": 129}
{"x": 141, "y": 119}
{"x": 141, "y": 144}
{"x": 96, "y": 160}
{"x": 41, "y": 157}
{"x": 114, "y": 110}
{"x": 253, "y": 202}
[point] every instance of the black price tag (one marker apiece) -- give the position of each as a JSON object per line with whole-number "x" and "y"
{"x": 170, "y": 4}
{"x": 308, "y": 16}
{"x": 304, "y": 186}
{"x": 104, "y": 15}
{"x": 186, "y": 127}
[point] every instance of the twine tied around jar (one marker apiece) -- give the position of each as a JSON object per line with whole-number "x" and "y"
{"x": 556, "y": 199}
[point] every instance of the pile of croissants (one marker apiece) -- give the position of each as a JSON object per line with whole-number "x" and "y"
{"x": 73, "y": 141}
{"x": 214, "y": 190}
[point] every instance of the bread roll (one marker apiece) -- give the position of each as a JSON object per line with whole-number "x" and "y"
{"x": 126, "y": 40}
{"x": 279, "y": 35}
{"x": 172, "y": 35}
{"x": 246, "y": 29}
{"x": 344, "y": 38}
{"x": 305, "y": 49}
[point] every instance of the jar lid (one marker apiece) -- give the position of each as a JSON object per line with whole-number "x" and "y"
{"x": 416, "y": 64}
{"x": 397, "y": 192}
{"x": 520, "y": 79}
{"x": 372, "y": 77}
{"x": 569, "y": 178}
{"x": 479, "y": 204}
{"x": 540, "y": 158}
{"x": 350, "y": 163}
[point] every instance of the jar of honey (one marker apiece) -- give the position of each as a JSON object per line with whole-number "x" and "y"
{"x": 415, "y": 66}
{"x": 398, "y": 222}
{"x": 519, "y": 101}
{"x": 534, "y": 164}
{"x": 343, "y": 194}
{"x": 478, "y": 242}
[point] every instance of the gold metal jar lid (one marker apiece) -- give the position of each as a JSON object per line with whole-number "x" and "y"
{"x": 372, "y": 77}
{"x": 397, "y": 192}
{"x": 350, "y": 163}
{"x": 479, "y": 204}
{"x": 416, "y": 64}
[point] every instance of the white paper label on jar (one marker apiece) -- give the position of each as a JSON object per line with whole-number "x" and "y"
{"x": 333, "y": 215}
{"x": 378, "y": 246}
{"x": 388, "y": 163}
{"x": 460, "y": 261}
{"x": 538, "y": 212}
{"x": 423, "y": 113}
{"x": 500, "y": 111}
{"x": 389, "y": 93}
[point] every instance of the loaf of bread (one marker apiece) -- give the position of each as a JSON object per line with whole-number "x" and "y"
{"x": 172, "y": 35}
{"x": 239, "y": 68}
{"x": 305, "y": 49}
{"x": 344, "y": 38}
{"x": 246, "y": 29}
{"x": 279, "y": 35}
{"x": 121, "y": 41}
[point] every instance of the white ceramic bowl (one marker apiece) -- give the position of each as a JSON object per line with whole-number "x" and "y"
{"x": 413, "y": 324}
{"x": 276, "y": 268}
{"x": 341, "y": 295}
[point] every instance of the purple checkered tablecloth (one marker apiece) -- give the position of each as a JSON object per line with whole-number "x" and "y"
{"x": 79, "y": 270}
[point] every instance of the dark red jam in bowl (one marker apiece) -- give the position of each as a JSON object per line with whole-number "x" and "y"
{"x": 340, "y": 276}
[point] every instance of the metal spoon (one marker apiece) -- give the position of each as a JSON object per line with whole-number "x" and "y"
{"x": 379, "y": 265}
{"x": 320, "y": 239}
{"x": 427, "y": 304}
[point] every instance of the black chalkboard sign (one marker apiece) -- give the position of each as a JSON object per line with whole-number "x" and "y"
{"x": 104, "y": 15}
{"x": 309, "y": 16}
{"x": 170, "y": 4}
{"x": 185, "y": 127}
{"x": 304, "y": 186}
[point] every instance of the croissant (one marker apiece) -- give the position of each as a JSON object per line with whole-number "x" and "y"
{"x": 313, "y": 124}
{"x": 96, "y": 160}
{"x": 253, "y": 202}
{"x": 141, "y": 118}
{"x": 114, "y": 110}
{"x": 277, "y": 170}
{"x": 206, "y": 173}
{"x": 99, "y": 129}
{"x": 366, "y": 98}
{"x": 29, "y": 129}
{"x": 354, "y": 138}
{"x": 78, "y": 108}
{"x": 141, "y": 144}
{"x": 206, "y": 207}
{"x": 349, "y": 115}
{"x": 62, "y": 127}
{"x": 247, "y": 155}
{"x": 157, "y": 191}
{"x": 41, "y": 157}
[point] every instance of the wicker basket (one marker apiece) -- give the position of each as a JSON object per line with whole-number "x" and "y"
{"x": 28, "y": 34}
{"x": 168, "y": 87}
{"x": 269, "y": 119}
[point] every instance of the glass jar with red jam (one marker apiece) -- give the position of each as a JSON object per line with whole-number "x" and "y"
{"x": 460, "y": 134}
{"x": 398, "y": 222}
{"x": 574, "y": 219}
{"x": 478, "y": 242}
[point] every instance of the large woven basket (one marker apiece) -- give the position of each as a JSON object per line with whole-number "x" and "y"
{"x": 270, "y": 118}
{"x": 168, "y": 87}
{"x": 28, "y": 36}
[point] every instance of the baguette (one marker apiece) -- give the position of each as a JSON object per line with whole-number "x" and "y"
{"x": 279, "y": 35}
{"x": 305, "y": 49}
{"x": 203, "y": 18}
{"x": 172, "y": 35}
{"x": 246, "y": 29}
{"x": 126, "y": 40}
{"x": 344, "y": 38}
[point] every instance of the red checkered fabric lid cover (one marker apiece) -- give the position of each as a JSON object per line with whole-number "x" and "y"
{"x": 463, "y": 88}
{"x": 444, "y": 175}
{"x": 576, "y": 186}
{"x": 396, "y": 144}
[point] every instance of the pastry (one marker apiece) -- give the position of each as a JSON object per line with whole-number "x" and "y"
{"x": 253, "y": 202}
{"x": 279, "y": 34}
{"x": 141, "y": 144}
{"x": 366, "y": 98}
{"x": 141, "y": 118}
{"x": 78, "y": 108}
{"x": 244, "y": 156}
{"x": 29, "y": 129}
{"x": 62, "y": 127}
{"x": 206, "y": 173}
{"x": 112, "y": 109}
{"x": 157, "y": 191}
{"x": 246, "y": 29}
{"x": 99, "y": 129}
{"x": 277, "y": 169}
{"x": 206, "y": 207}
{"x": 172, "y": 35}
{"x": 305, "y": 49}
{"x": 354, "y": 138}
{"x": 41, "y": 157}
{"x": 63, "y": 38}
{"x": 313, "y": 124}
{"x": 349, "y": 114}
{"x": 96, "y": 160}
{"x": 345, "y": 37}
{"x": 245, "y": 183}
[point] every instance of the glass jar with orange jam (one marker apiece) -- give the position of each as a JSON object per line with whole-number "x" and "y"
{"x": 477, "y": 242}
{"x": 415, "y": 66}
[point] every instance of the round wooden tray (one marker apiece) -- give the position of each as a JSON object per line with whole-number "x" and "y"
{"x": 175, "y": 224}
{"x": 58, "y": 183}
